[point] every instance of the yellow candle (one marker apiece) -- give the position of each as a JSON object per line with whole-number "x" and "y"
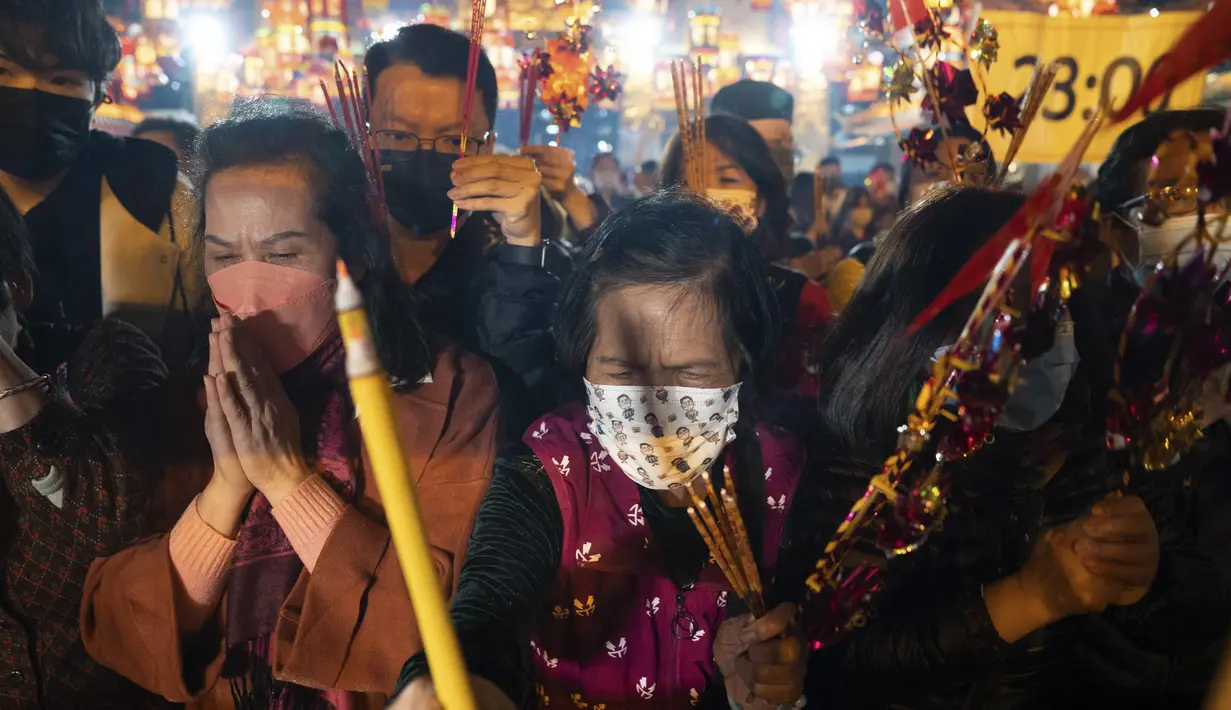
{"x": 373, "y": 397}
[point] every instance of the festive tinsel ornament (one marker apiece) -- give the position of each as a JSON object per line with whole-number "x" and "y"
{"x": 565, "y": 87}
{"x": 1002, "y": 114}
{"x": 899, "y": 81}
{"x": 605, "y": 84}
{"x": 955, "y": 90}
{"x": 930, "y": 32}
{"x": 541, "y": 60}
{"x": 984, "y": 44}
{"x": 1175, "y": 337}
{"x": 920, "y": 145}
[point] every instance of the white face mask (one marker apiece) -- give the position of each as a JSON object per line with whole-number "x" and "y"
{"x": 663, "y": 437}
{"x": 1042, "y": 383}
{"x": 1158, "y": 243}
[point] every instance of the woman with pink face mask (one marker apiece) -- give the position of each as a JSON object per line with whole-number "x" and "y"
{"x": 277, "y": 587}
{"x": 582, "y": 550}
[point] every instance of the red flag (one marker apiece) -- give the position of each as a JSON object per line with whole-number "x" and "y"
{"x": 905, "y": 13}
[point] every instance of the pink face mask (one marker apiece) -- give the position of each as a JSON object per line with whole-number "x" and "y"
{"x": 288, "y": 312}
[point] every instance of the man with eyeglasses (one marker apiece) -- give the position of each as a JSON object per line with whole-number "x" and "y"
{"x": 490, "y": 288}
{"x": 99, "y": 208}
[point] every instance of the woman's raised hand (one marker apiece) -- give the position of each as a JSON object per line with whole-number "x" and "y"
{"x": 263, "y": 423}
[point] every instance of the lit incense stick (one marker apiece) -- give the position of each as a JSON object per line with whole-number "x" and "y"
{"x": 373, "y": 397}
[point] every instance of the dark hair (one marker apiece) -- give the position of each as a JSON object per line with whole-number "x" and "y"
{"x": 75, "y": 31}
{"x": 605, "y": 155}
{"x": 677, "y": 239}
{"x": 830, "y": 160}
{"x": 883, "y": 166}
{"x": 869, "y": 366}
{"x": 437, "y": 52}
{"x": 741, "y": 142}
{"x": 648, "y": 166}
{"x": 16, "y": 253}
{"x": 849, "y": 202}
{"x": 185, "y": 132}
{"x": 754, "y": 100}
{"x": 961, "y": 130}
{"x": 1117, "y": 180}
{"x": 261, "y": 134}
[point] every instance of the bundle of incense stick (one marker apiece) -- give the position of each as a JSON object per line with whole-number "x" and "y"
{"x": 354, "y": 120}
{"x": 721, "y": 525}
{"x": 690, "y": 110}
{"x": 1040, "y": 83}
{"x": 478, "y": 16}
{"x": 529, "y": 83}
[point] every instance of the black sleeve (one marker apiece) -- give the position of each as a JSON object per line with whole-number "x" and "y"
{"x": 926, "y": 643}
{"x": 516, "y": 304}
{"x": 514, "y": 554}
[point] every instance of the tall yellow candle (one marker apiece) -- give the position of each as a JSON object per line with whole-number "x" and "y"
{"x": 373, "y": 397}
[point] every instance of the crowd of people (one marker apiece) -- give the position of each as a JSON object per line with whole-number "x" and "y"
{"x": 190, "y": 519}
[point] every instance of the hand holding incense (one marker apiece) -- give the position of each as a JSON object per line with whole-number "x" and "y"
{"x": 373, "y": 397}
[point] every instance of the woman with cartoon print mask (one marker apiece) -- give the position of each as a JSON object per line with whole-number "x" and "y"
{"x": 600, "y": 572}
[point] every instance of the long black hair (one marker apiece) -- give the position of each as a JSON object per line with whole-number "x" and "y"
{"x": 869, "y": 366}
{"x": 741, "y": 142}
{"x": 261, "y": 133}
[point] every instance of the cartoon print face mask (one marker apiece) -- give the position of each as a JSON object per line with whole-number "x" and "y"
{"x": 663, "y": 437}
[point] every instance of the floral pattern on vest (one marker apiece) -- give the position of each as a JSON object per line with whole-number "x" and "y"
{"x": 605, "y": 638}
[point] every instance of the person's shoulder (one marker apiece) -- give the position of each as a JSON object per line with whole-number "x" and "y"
{"x": 142, "y": 174}
{"x": 118, "y": 152}
{"x": 115, "y": 360}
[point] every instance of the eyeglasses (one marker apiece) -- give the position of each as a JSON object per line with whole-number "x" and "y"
{"x": 1159, "y": 204}
{"x": 403, "y": 146}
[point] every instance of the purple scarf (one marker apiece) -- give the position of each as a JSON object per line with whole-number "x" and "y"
{"x": 265, "y": 567}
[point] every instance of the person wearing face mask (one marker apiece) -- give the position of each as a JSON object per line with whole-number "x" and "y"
{"x": 770, "y": 110}
{"x": 610, "y": 190}
{"x": 1032, "y": 545}
{"x": 106, "y": 214}
{"x": 493, "y": 287}
{"x": 1146, "y": 229}
{"x": 583, "y": 551}
{"x": 742, "y": 177}
{"x": 77, "y": 482}
{"x": 277, "y": 586}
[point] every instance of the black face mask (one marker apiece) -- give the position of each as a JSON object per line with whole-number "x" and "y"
{"x": 41, "y": 133}
{"x": 416, "y": 188}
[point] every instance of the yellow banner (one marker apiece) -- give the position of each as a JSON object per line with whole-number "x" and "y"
{"x": 1099, "y": 57}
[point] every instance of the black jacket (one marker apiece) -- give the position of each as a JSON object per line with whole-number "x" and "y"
{"x": 498, "y": 300}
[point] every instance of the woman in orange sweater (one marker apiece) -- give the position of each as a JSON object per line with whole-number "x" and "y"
{"x": 278, "y": 586}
